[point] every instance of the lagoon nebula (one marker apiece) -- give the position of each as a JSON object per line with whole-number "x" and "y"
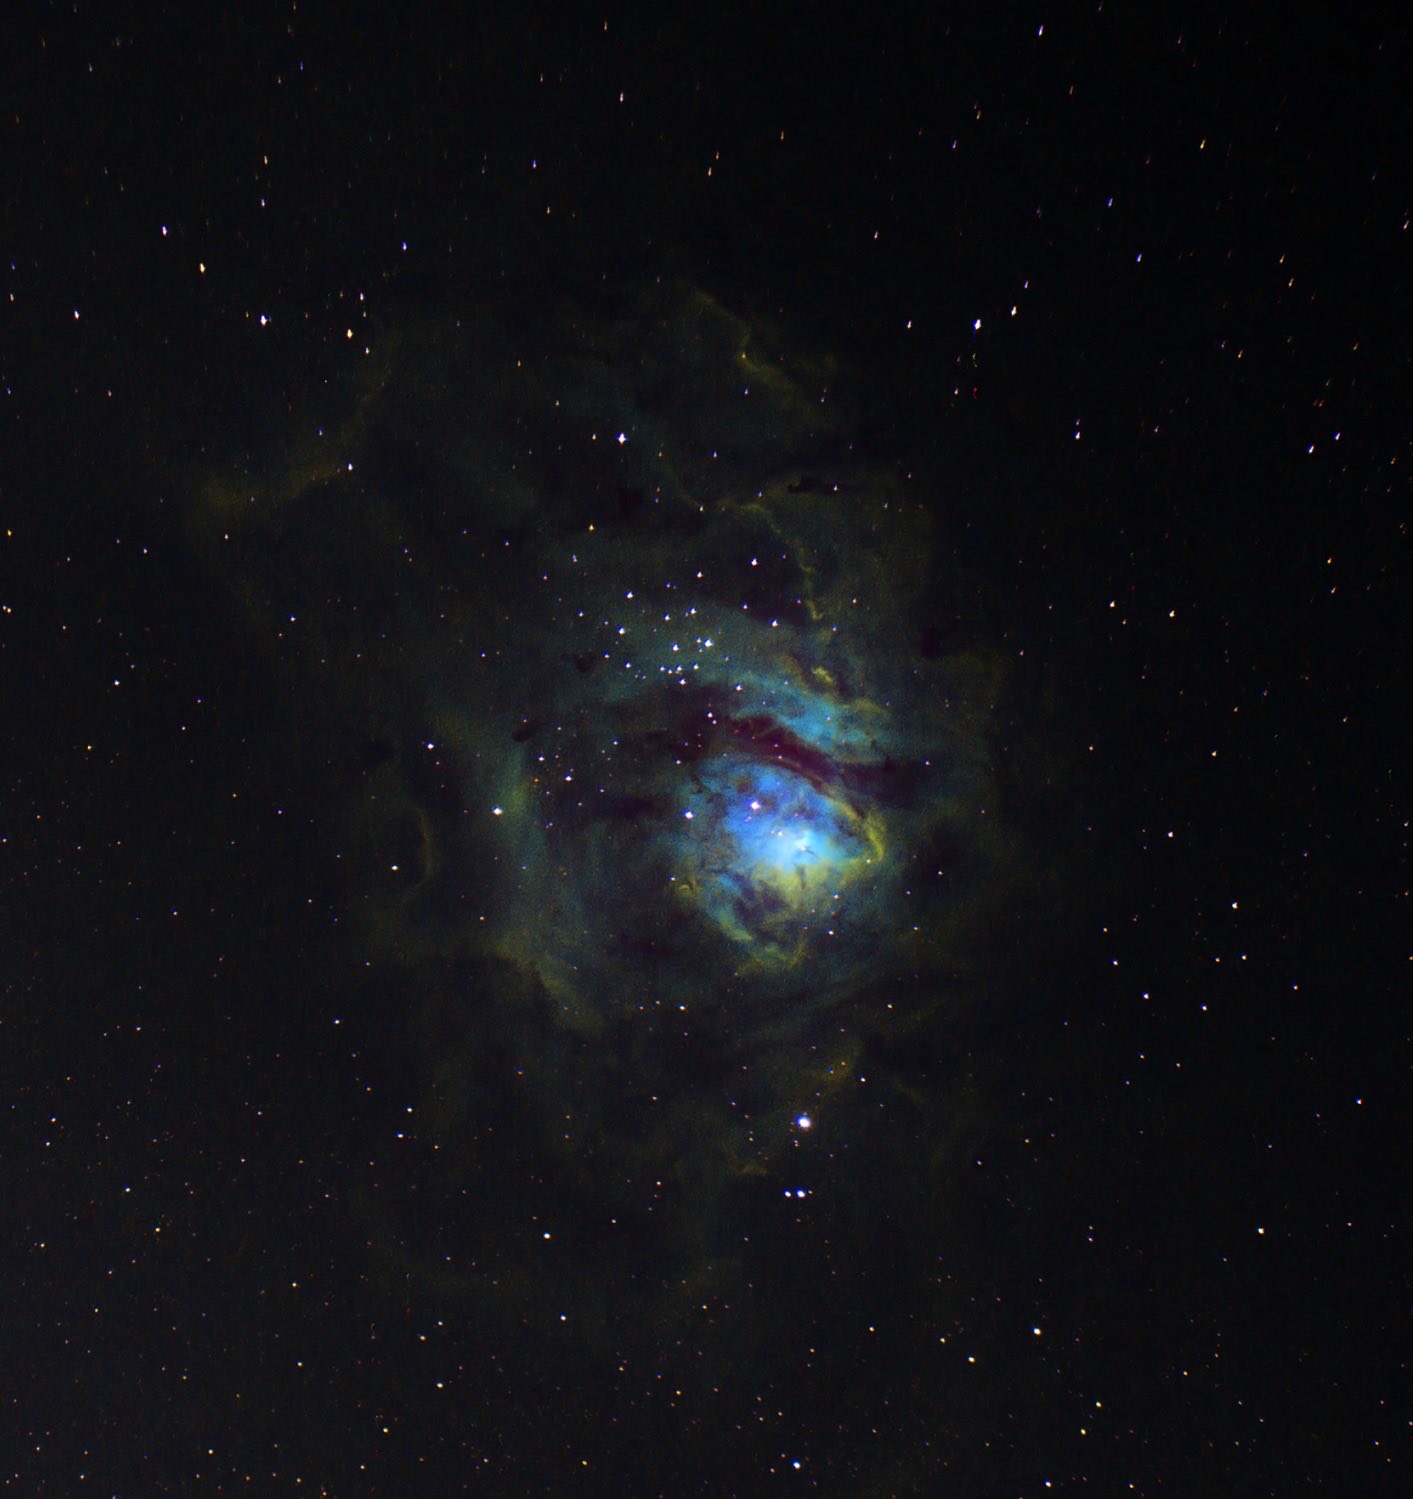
{"x": 662, "y": 767}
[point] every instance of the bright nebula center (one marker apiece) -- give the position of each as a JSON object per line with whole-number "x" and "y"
{"x": 771, "y": 858}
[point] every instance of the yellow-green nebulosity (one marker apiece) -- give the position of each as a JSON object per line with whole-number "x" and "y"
{"x": 664, "y": 747}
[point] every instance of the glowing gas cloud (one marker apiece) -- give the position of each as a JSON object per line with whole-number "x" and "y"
{"x": 661, "y": 762}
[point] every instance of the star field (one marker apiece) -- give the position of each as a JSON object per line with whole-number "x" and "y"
{"x": 702, "y": 760}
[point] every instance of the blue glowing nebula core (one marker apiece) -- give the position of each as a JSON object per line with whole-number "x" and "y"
{"x": 770, "y": 855}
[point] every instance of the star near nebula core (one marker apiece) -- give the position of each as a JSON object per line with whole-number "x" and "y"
{"x": 669, "y": 759}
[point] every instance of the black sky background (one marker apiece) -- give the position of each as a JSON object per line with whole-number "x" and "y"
{"x": 1178, "y": 472}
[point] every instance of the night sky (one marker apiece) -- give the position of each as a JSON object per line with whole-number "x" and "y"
{"x": 701, "y": 778}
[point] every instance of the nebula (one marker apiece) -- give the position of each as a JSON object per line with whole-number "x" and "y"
{"x": 725, "y": 791}
{"x": 660, "y": 747}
